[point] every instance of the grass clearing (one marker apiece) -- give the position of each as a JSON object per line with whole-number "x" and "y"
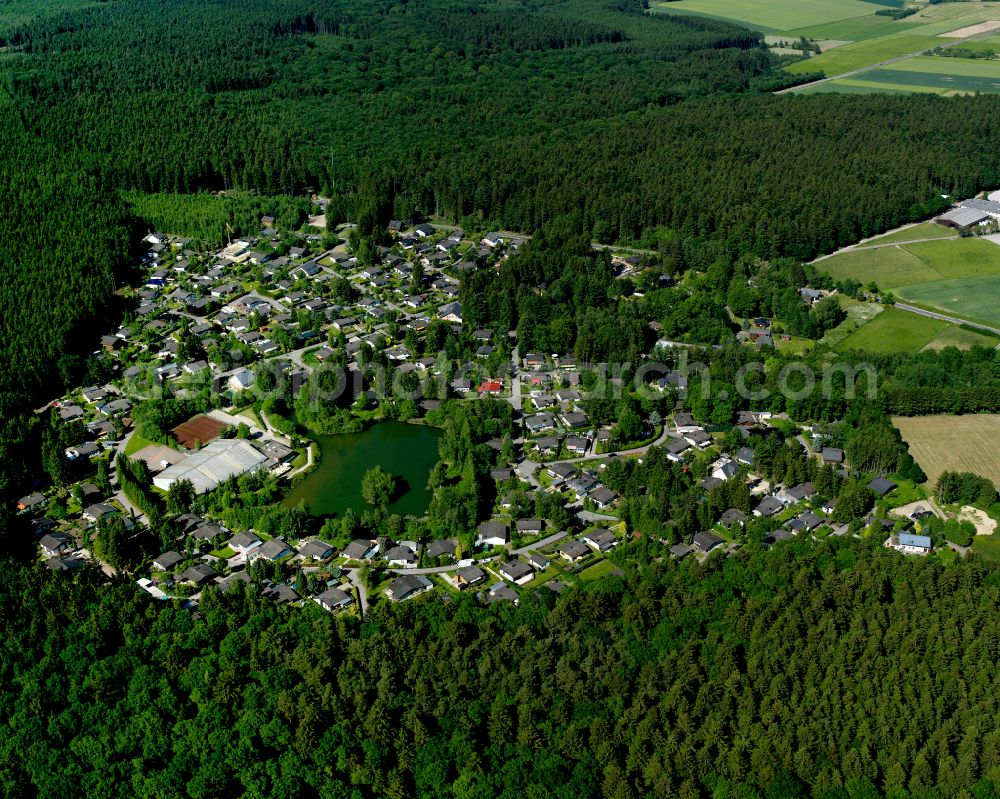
{"x": 953, "y": 443}
{"x": 976, "y": 299}
{"x": 963, "y": 339}
{"x": 922, "y": 230}
{"x": 887, "y": 266}
{"x": 894, "y": 331}
{"x": 858, "y": 314}
{"x": 988, "y": 546}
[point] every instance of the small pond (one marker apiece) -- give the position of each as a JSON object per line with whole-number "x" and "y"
{"x": 406, "y": 451}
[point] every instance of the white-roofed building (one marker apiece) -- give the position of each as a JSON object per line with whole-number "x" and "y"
{"x": 213, "y": 464}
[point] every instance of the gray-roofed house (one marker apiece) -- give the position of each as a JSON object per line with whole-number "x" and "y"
{"x": 469, "y": 575}
{"x": 733, "y": 516}
{"x": 501, "y": 592}
{"x": 706, "y": 541}
{"x": 94, "y": 513}
{"x": 54, "y": 544}
{"x": 574, "y": 551}
{"x": 745, "y": 456}
{"x": 832, "y": 455}
{"x": 769, "y": 506}
{"x": 680, "y": 551}
{"x": 492, "y": 534}
{"x": 530, "y": 526}
{"x": 197, "y": 574}
{"x": 361, "y": 549}
{"x": 275, "y": 549}
{"x": 517, "y": 571}
{"x": 167, "y": 560}
{"x": 333, "y": 599}
{"x": 401, "y": 557}
{"x": 407, "y": 586}
{"x": 316, "y": 549}
{"x": 441, "y": 547}
{"x": 600, "y": 540}
{"x": 31, "y": 501}
{"x": 882, "y": 486}
{"x": 539, "y": 562}
{"x": 244, "y": 543}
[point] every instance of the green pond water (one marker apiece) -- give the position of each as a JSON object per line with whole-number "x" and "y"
{"x": 406, "y": 451}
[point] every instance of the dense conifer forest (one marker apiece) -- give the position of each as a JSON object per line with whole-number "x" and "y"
{"x": 835, "y": 670}
{"x": 841, "y": 667}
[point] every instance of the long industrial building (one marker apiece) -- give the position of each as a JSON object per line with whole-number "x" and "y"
{"x": 213, "y": 464}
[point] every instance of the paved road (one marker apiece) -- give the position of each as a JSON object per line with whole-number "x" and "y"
{"x": 953, "y": 319}
{"x": 308, "y": 464}
{"x": 887, "y": 62}
{"x": 590, "y": 516}
{"x": 352, "y": 575}
{"x": 540, "y": 544}
{"x": 515, "y": 383}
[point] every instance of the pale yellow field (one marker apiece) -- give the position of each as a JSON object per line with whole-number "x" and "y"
{"x": 953, "y": 443}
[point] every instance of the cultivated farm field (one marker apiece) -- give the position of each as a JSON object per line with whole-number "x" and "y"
{"x": 864, "y": 54}
{"x": 874, "y": 40}
{"x": 936, "y": 74}
{"x": 953, "y": 443}
{"x": 772, "y": 15}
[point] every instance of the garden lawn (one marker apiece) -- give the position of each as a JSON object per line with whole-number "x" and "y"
{"x": 600, "y": 569}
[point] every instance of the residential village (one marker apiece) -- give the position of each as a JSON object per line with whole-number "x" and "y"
{"x": 209, "y": 323}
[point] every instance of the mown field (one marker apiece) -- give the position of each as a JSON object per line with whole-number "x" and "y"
{"x": 894, "y": 331}
{"x": 953, "y": 443}
{"x": 975, "y": 299}
{"x": 912, "y": 264}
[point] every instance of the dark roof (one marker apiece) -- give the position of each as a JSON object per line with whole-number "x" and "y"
{"x": 443, "y": 546}
{"x": 515, "y": 570}
{"x": 882, "y": 486}
{"x": 706, "y": 541}
{"x": 198, "y": 573}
